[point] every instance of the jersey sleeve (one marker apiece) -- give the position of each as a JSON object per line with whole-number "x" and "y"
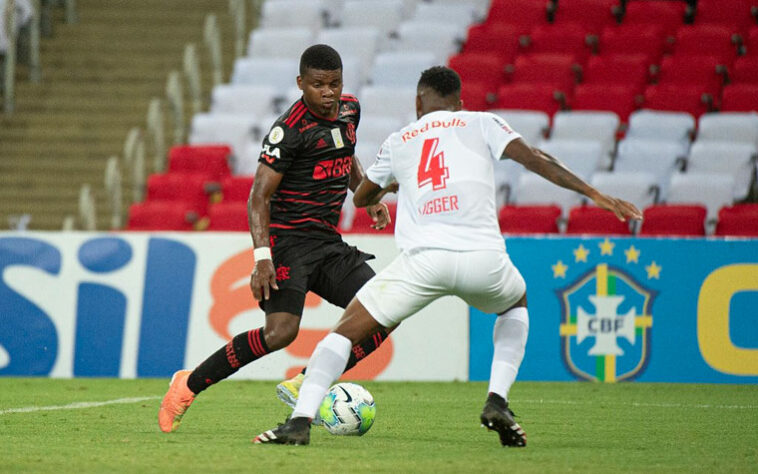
{"x": 497, "y": 133}
{"x": 380, "y": 172}
{"x": 279, "y": 147}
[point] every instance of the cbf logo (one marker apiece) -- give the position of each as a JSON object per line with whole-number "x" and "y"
{"x": 606, "y": 319}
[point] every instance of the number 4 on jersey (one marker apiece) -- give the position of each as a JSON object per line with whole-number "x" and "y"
{"x": 431, "y": 168}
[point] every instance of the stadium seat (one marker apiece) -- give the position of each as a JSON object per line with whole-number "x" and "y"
{"x": 498, "y": 39}
{"x": 286, "y": 43}
{"x": 713, "y": 40}
{"x": 275, "y": 15}
{"x": 529, "y": 12}
{"x": 366, "y": 152}
{"x": 555, "y": 69}
{"x": 660, "y": 157}
{"x": 739, "y": 98}
{"x": 388, "y": 102}
{"x": 631, "y": 69}
{"x": 361, "y": 43}
{"x": 669, "y": 15}
{"x": 400, "y": 69}
{"x": 228, "y": 216}
{"x": 620, "y": 99}
{"x": 712, "y": 190}
{"x": 586, "y": 125}
{"x": 460, "y": 14}
{"x": 441, "y": 39}
{"x": 736, "y": 159}
{"x": 583, "y": 157}
{"x": 745, "y": 70}
{"x": 563, "y": 38}
{"x": 263, "y": 71}
{"x": 376, "y": 128}
{"x": 676, "y": 126}
{"x": 591, "y": 220}
{"x": 210, "y": 160}
{"x": 525, "y": 96}
{"x": 529, "y": 219}
{"x": 160, "y": 215}
{"x": 740, "y": 220}
{"x": 531, "y": 125}
{"x": 236, "y": 188}
{"x": 534, "y": 189}
{"x": 639, "y": 188}
{"x": 480, "y": 67}
{"x": 733, "y": 14}
{"x": 751, "y": 42}
{"x": 735, "y": 126}
{"x": 593, "y": 15}
{"x": 677, "y": 98}
{"x": 384, "y": 15}
{"x": 189, "y": 189}
{"x": 706, "y": 72}
{"x": 673, "y": 220}
{"x": 234, "y": 130}
{"x": 647, "y": 39}
{"x": 244, "y": 99}
{"x": 362, "y": 222}
{"x": 476, "y": 95}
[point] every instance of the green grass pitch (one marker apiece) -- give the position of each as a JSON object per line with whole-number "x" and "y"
{"x": 420, "y": 427}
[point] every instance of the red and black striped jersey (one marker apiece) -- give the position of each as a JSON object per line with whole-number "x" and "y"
{"x": 314, "y": 154}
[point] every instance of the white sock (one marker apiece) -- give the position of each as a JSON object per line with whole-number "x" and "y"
{"x": 509, "y": 338}
{"x": 326, "y": 365}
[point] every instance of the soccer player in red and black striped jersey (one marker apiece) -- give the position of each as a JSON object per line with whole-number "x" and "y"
{"x": 306, "y": 166}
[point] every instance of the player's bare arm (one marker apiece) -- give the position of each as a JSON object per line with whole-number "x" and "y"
{"x": 551, "y": 168}
{"x": 258, "y": 217}
{"x": 378, "y": 211}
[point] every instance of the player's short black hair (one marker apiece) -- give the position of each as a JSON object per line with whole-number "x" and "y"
{"x": 442, "y": 80}
{"x": 320, "y": 56}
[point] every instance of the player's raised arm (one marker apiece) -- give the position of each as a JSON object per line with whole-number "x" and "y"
{"x": 556, "y": 172}
{"x": 258, "y": 218}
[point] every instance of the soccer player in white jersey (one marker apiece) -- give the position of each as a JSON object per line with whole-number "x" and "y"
{"x": 450, "y": 242}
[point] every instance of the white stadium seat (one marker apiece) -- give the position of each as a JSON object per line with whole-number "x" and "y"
{"x": 264, "y": 71}
{"x": 712, "y": 190}
{"x": 638, "y": 188}
{"x": 288, "y": 13}
{"x": 235, "y": 130}
{"x": 385, "y": 15}
{"x": 657, "y": 156}
{"x": 400, "y": 69}
{"x": 732, "y": 126}
{"x": 361, "y": 43}
{"x": 581, "y": 156}
{"x": 441, "y": 39}
{"x": 243, "y": 99}
{"x": 534, "y": 189}
{"x": 531, "y": 125}
{"x": 661, "y": 125}
{"x": 388, "y": 101}
{"x": 736, "y": 159}
{"x": 599, "y": 126}
{"x": 376, "y": 128}
{"x": 286, "y": 43}
{"x": 459, "y": 14}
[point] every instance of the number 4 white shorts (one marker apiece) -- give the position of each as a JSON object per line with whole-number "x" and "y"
{"x": 485, "y": 279}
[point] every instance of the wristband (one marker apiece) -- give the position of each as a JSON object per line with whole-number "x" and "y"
{"x": 262, "y": 253}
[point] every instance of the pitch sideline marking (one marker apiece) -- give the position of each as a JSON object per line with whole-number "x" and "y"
{"x": 77, "y": 405}
{"x": 640, "y": 404}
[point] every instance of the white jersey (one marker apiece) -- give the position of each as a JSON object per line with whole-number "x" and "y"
{"x": 443, "y": 163}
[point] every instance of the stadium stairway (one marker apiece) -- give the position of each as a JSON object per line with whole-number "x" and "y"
{"x": 98, "y": 77}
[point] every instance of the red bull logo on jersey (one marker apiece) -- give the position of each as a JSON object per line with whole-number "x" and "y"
{"x": 456, "y": 122}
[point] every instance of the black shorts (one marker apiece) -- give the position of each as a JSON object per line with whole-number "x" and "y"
{"x": 332, "y": 269}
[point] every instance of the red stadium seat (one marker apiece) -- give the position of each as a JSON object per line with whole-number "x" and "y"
{"x": 713, "y": 40}
{"x": 567, "y": 38}
{"x": 593, "y": 15}
{"x": 677, "y": 98}
{"x": 734, "y": 14}
{"x": 362, "y": 222}
{"x": 188, "y": 188}
{"x": 211, "y": 160}
{"x": 745, "y": 70}
{"x": 681, "y": 220}
{"x": 160, "y": 215}
{"x": 740, "y": 98}
{"x": 480, "y": 67}
{"x": 474, "y": 95}
{"x": 738, "y": 220}
{"x": 527, "y": 96}
{"x": 228, "y": 216}
{"x": 631, "y": 69}
{"x": 695, "y": 70}
{"x": 499, "y": 39}
{"x": 529, "y": 219}
{"x": 633, "y": 39}
{"x": 751, "y": 42}
{"x": 558, "y": 70}
{"x": 236, "y": 188}
{"x": 527, "y": 12}
{"x": 669, "y": 15}
{"x": 620, "y": 98}
{"x": 595, "y": 221}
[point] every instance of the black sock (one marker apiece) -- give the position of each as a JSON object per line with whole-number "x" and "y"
{"x": 240, "y": 351}
{"x": 363, "y": 348}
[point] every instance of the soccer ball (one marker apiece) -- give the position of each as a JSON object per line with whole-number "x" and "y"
{"x": 348, "y": 409}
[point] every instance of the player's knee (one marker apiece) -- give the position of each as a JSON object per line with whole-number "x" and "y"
{"x": 280, "y": 335}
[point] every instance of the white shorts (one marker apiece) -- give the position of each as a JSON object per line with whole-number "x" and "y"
{"x": 485, "y": 279}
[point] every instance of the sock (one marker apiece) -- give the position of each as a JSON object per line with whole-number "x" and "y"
{"x": 327, "y": 363}
{"x": 509, "y": 338}
{"x": 240, "y": 351}
{"x": 363, "y": 348}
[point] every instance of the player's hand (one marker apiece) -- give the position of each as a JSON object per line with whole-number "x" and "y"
{"x": 624, "y": 210}
{"x": 380, "y": 215}
{"x": 263, "y": 279}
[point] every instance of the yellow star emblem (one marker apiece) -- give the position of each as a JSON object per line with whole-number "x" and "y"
{"x": 653, "y": 271}
{"x": 606, "y": 247}
{"x": 580, "y": 254}
{"x": 559, "y": 270}
{"x": 632, "y": 254}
